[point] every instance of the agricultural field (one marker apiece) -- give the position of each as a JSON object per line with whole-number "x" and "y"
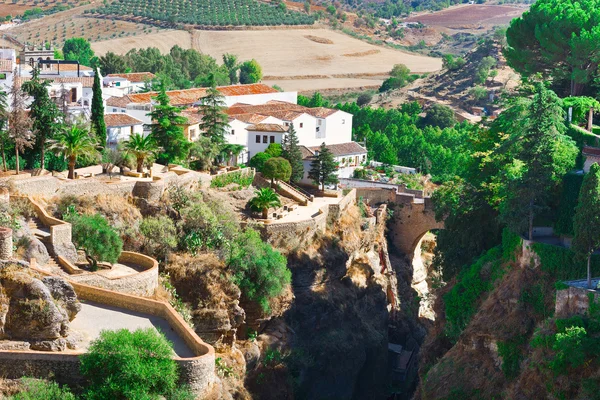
{"x": 290, "y": 58}
{"x": 469, "y": 17}
{"x": 207, "y": 12}
{"x": 14, "y": 8}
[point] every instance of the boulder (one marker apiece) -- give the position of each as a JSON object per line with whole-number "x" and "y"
{"x": 36, "y": 249}
{"x": 63, "y": 292}
{"x": 49, "y": 345}
{"x": 66, "y": 250}
{"x": 211, "y": 324}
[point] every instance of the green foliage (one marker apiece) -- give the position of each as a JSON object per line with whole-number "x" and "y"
{"x": 461, "y": 302}
{"x": 160, "y": 235}
{"x": 274, "y": 150}
{"x": 208, "y": 12}
{"x": 264, "y": 199}
{"x": 75, "y": 143}
{"x": 215, "y": 121}
{"x": 242, "y": 178}
{"x": 259, "y": 270}
{"x": 323, "y": 168}
{"x": 453, "y": 63}
{"x": 562, "y": 263}
{"x": 440, "y": 115}
{"x": 141, "y": 147}
{"x": 258, "y": 161}
{"x": 97, "y": 117}
{"x": 129, "y": 365}
{"x": 478, "y": 93}
{"x": 41, "y": 390}
{"x": 511, "y": 352}
{"x": 581, "y": 107}
{"x": 511, "y": 242}
{"x": 167, "y": 131}
{"x": 78, "y": 49}
{"x": 567, "y": 203}
{"x": 250, "y": 72}
{"x": 111, "y": 63}
{"x": 201, "y": 228}
{"x": 96, "y": 237}
{"x": 569, "y": 349}
{"x": 292, "y": 153}
{"x": 175, "y": 301}
{"x": 364, "y": 99}
{"x": 277, "y": 168}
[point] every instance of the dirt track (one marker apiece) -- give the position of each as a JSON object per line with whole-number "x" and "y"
{"x": 286, "y": 53}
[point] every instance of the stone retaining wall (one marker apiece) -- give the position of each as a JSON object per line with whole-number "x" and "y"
{"x": 574, "y": 301}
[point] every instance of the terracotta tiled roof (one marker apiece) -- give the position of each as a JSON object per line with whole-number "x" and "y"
{"x": 6, "y": 66}
{"x": 306, "y": 152}
{"x": 267, "y": 128}
{"x": 116, "y": 101}
{"x": 67, "y": 67}
{"x": 320, "y": 112}
{"x": 120, "y": 120}
{"x": 591, "y": 151}
{"x": 193, "y": 117}
{"x": 280, "y": 109}
{"x": 191, "y": 96}
{"x": 86, "y": 81}
{"x": 343, "y": 149}
{"x": 250, "y": 118}
{"x": 135, "y": 76}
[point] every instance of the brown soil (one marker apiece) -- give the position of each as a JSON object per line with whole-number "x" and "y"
{"x": 469, "y": 16}
{"x": 362, "y": 53}
{"x": 318, "y": 39}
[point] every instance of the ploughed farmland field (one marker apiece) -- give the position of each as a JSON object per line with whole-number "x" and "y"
{"x": 206, "y": 12}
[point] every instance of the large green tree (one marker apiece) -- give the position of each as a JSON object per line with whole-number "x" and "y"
{"x": 292, "y": 153}
{"x": 250, "y": 72}
{"x": 111, "y": 63}
{"x": 559, "y": 39}
{"x": 45, "y": 116}
{"x": 215, "y": 121}
{"x": 167, "y": 130}
{"x": 97, "y": 118}
{"x": 586, "y": 222}
{"x": 78, "y": 49}
{"x": 94, "y": 235}
{"x": 323, "y": 168}
{"x": 277, "y": 168}
{"x": 543, "y": 154}
{"x": 231, "y": 63}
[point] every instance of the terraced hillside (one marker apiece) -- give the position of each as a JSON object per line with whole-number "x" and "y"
{"x": 207, "y": 12}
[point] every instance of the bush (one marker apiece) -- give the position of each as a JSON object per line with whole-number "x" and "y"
{"x": 274, "y": 150}
{"x": 243, "y": 179}
{"x": 96, "y": 237}
{"x": 201, "y": 228}
{"x": 392, "y": 83}
{"x": 42, "y": 390}
{"x": 259, "y": 270}
{"x": 160, "y": 235}
{"x": 364, "y": 99}
{"x": 129, "y": 365}
{"x": 277, "y": 168}
{"x": 440, "y": 115}
{"x": 258, "y": 161}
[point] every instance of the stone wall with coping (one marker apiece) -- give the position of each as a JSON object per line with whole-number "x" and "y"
{"x": 142, "y": 283}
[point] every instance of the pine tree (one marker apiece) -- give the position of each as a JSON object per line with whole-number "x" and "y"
{"x": 97, "y": 119}
{"x": 45, "y": 115}
{"x": 586, "y": 222}
{"x": 19, "y": 124}
{"x": 292, "y": 153}
{"x": 323, "y": 168}
{"x": 166, "y": 129}
{"x": 214, "y": 120}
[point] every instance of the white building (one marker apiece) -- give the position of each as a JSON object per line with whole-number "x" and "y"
{"x": 123, "y": 84}
{"x": 120, "y": 127}
{"x": 348, "y": 156}
{"x": 8, "y": 62}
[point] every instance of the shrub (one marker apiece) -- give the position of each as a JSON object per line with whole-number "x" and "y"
{"x": 129, "y": 365}
{"x": 259, "y": 270}
{"x": 258, "y": 161}
{"x": 364, "y": 99}
{"x": 160, "y": 234}
{"x": 440, "y": 115}
{"x": 570, "y": 349}
{"x": 96, "y": 237}
{"x": 277, "y": 168}
{"x": 42, "y": 390}
{"x": 243, "y": 179}
{"x": 274, "y": 150}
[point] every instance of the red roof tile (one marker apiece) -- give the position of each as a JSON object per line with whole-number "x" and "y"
{"x": 267, "y": 128}
{"x": 343, "y": 149}
{"x": 116, "y": 101}
{"x": 120, "y": 120}
{"x": 591, "y": 151}
{"x": 135, "y": 76}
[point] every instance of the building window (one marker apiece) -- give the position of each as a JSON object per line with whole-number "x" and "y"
{"x": 301, "y": 124}
{"x": 257, "y": 138}
{"x": 343, "y": 121}
{"x": 118, "y": 84}
{"x": 272, "y": 139}
{"x": 114, "y": 110}
{"x": 123, "y": 111}
{"x": 265, "y": 138}
{"x": 320, "y": 121}
{"x": 193, "y": 133}
{"x": 286, "y": 123}
{"x": 233, "y": 131}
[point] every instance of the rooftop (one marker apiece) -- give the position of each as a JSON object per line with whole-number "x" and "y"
{"x": 116, "y": 101}
{"x": 280, "y": 109}
{"x": 135, "y": 76}
{"x": 591, "y": 151}
{"x": 86, "y": 81}
{"x": 342, "y": 149}
{"x": 267, "y": 128}
{"x": 115, "y": 120}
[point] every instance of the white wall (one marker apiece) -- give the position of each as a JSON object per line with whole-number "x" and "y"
{"x": 345, "y": 171}
{"x": 254, "y": 147}
{"x": 121, "y": 133}
{"x": 338, "y": 128}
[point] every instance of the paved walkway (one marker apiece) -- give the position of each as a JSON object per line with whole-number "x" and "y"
{"x": 95, "y": 317}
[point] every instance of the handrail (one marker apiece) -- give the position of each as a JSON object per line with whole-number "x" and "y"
{"x": 293, "y": 189}
{"x": 298, "y": 188}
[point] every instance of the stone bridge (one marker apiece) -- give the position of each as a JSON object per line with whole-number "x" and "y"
{"x": 413, "y": 215}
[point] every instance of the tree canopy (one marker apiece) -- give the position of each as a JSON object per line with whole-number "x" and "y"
{"x": 250, "y": 72}
{"x": 277, "y": 168}
{"x": 78, "y": 49}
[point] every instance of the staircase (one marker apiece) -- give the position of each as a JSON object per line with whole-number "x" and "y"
{"x": 39, "y": 230}
{"x": 295, "y": 194}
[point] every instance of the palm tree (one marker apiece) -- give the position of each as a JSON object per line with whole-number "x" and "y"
{"x": 264, "y": 199}
{"x": 141, "y": 147}
{"x": 74, "y": 142}
{"x": 230, "y": 151}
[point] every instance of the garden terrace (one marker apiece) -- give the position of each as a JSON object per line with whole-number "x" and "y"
{"x": 207, "y": 12}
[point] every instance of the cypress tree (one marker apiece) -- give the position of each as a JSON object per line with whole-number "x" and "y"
{"x": 166, "y": 129}
{"x": 97, "y": 119}
{"x": 292, "y": 153}
{"x": 323, "y": 168}
{"x": 586, "y": 222}
{"x": 214, "y": 119}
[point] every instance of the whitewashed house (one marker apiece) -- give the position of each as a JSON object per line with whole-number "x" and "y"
{"x": 260, "y": 136}
{"x": 8, "y": 63}
{"x": 128, "y": 83}
{"x": 348, "y": 156}
{"x": 120, "y": 127}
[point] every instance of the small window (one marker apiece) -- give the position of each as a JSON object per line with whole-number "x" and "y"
{"x": 320, "y": 121}
{"x": 114, "y": 110}
{"x": 301, "y": 124}
{"x": 265, "y": 138}
{"x": 272, "y": 139}
{"x": 343, "y": 121}
{"x": 233, "y": 131}
{"x": 257, "y": 138}
{"x": 123, "y": 111}
{"x": 286, "y": 123}
{"x": 118, "y": 84}
{"x": 318, "y": 129}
